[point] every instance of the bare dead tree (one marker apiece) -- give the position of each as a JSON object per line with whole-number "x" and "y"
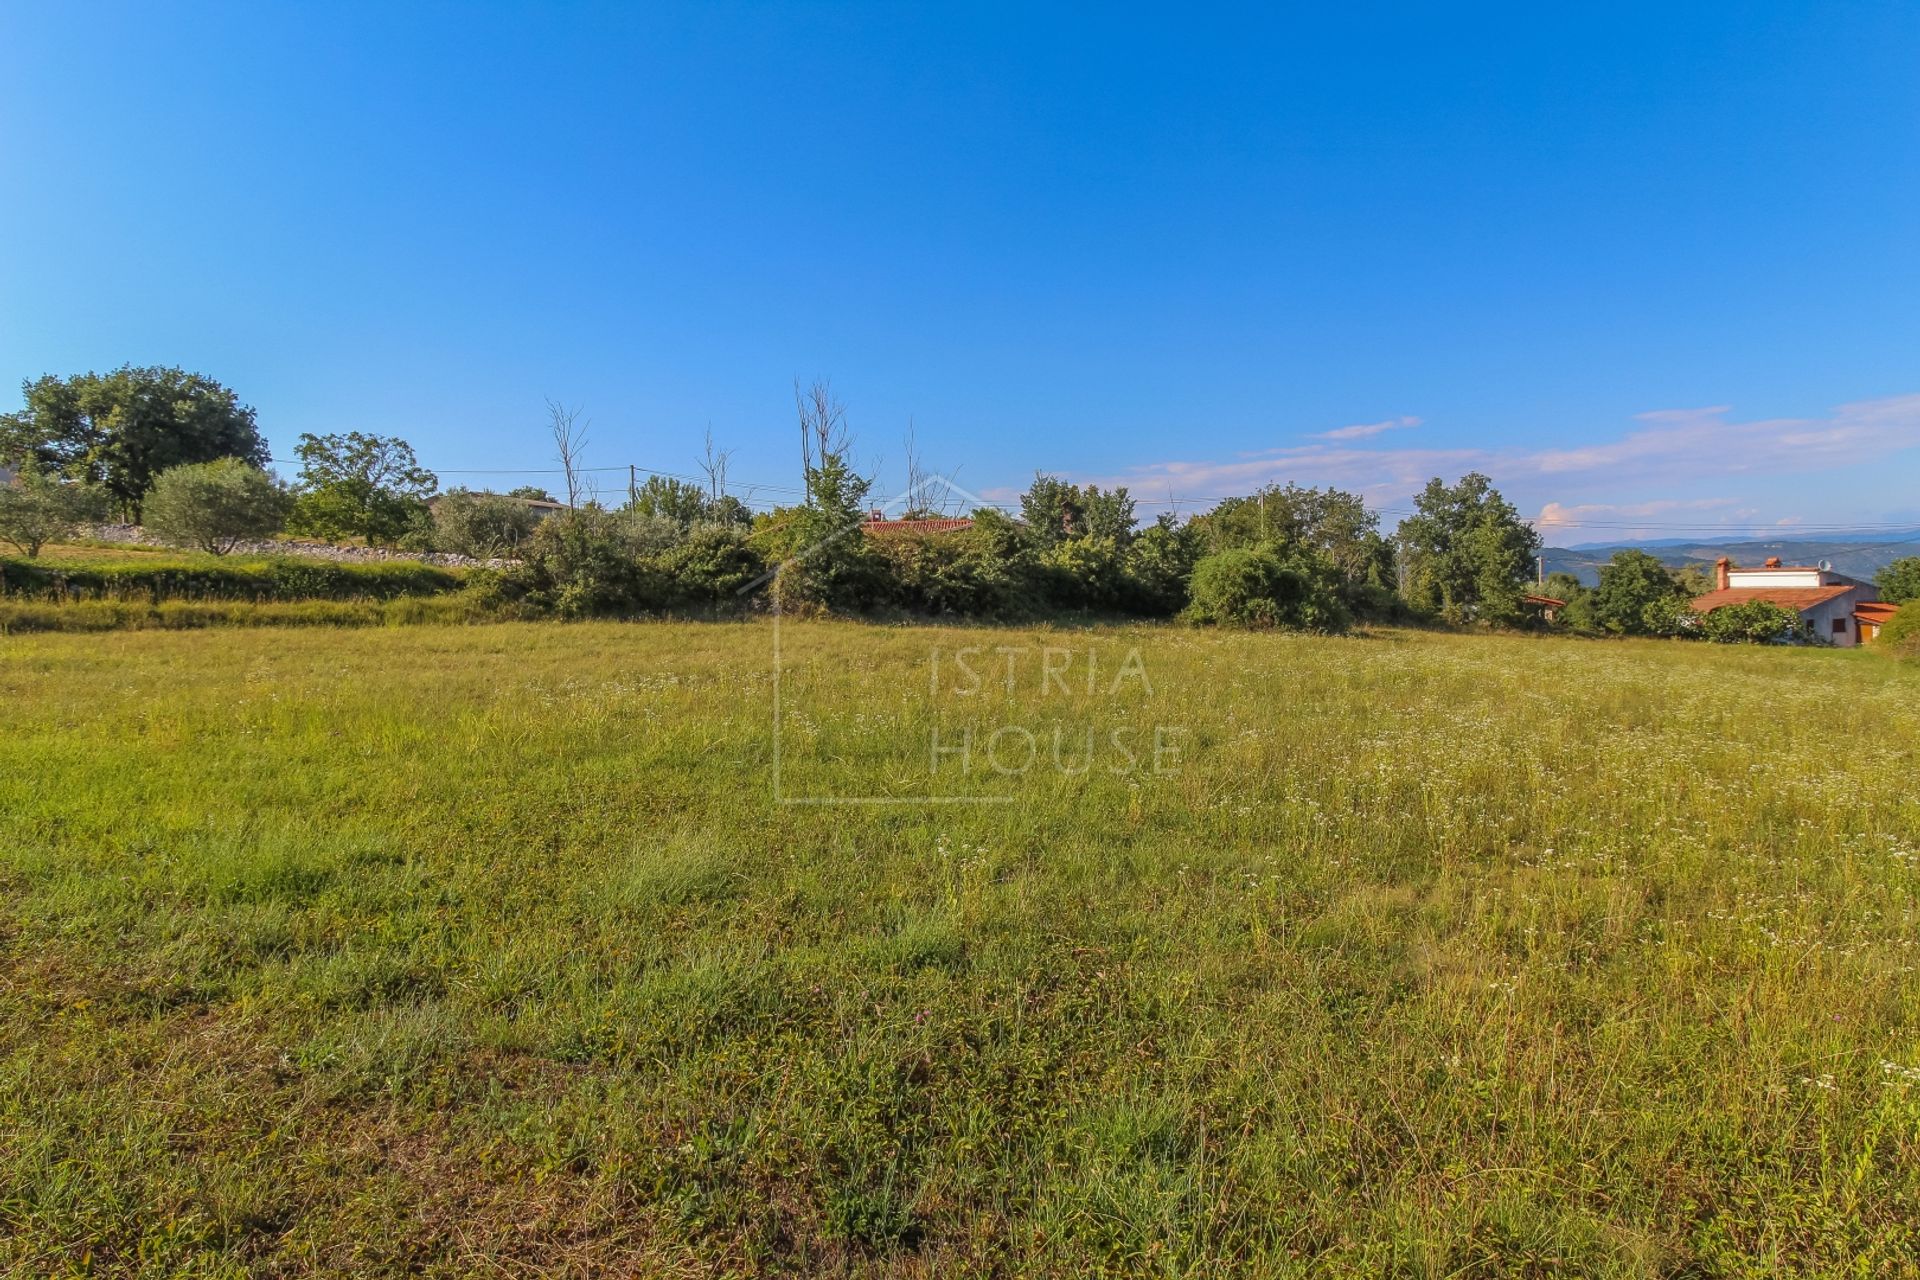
{"x": 570, "y": 443}
{"x": 714, "y": 464}
{"x": 823, "y": 426}
{"x": 929, "y": 493}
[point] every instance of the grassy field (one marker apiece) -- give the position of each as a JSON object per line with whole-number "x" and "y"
{"x": 477, "y": 950}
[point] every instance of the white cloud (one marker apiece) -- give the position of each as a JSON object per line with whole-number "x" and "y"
{"x": 1677, "y": 449}
{"x": 1367, "y": 430}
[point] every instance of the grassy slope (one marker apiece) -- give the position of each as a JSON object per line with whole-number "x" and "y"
{"x": 445, "y": 949}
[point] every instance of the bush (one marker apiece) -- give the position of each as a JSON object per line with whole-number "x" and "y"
{"x": 712, "y": 565}
{"x": 590, "y": 562}
{"x": 959, "y": 573}
{"x": 213, "y": 506}
{"x": 37, "y": 509}
{"x": 1755, "y": 622}
{"x": 281, "y": 579}
{"x": 1254, "y": 587}
{"x": 1901, "y": 635}
{"x": 482, "y": 525}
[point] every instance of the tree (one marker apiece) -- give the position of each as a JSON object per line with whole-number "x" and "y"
{"x": 484, "y": 525}
{"x": 670, "y": 499}
{"x": 38, "y": 508}
{"x": 569, "y": 443}
{"x": 1058, "y": 511}
{"x": 1468, "y": 553}
{"x": 1899, "y": 582}
{"x": 121, "y": 429}
{"x": 1333, "y": 522}
{"x": 1634, "y": 588}
{"x": 215, "y": 505}
{"x": 359, "y": 485}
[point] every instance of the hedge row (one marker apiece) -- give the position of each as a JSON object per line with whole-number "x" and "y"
{"x": 277, "y": 579}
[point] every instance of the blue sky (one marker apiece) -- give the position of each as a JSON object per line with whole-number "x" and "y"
{"x": 1653, "y": 267}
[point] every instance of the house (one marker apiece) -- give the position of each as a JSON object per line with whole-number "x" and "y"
{"x": 1826, "y": 601}
{"x": 1548, "y": 607}
{"x": 1871, "y": 616}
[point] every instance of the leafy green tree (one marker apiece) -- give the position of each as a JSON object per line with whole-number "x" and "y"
{"x": 1159, "y": 564}
{"x": 1468, "y": 552}
{"x": 676, "y": 500}
{"x": 825, "y": 560}
{"x": 119, "y": 430}
{"x": 359, "y": 485}
{"x": 37, "y": 508}
{"x": 1058, "y": 511}
{"x": 1899, "y": 582}
{"x": 483, "y": 525}
{"x": 214, "y": 506}
{"x": 1333, "y": 522}
{"x": 1632, "y": 584}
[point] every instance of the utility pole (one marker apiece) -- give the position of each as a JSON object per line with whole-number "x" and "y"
{"x": 633, "y": 485}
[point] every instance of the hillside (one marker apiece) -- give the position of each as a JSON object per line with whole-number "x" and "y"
{"x": 1857, "y": 558}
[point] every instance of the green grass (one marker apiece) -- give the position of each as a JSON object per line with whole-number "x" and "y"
{"x": 488, "y": 950}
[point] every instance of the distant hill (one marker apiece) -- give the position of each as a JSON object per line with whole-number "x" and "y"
{"x": 1853, "y": 557}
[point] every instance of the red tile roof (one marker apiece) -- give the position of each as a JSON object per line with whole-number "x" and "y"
{"x": 1876, "y": 610}
{"x": 1799, "y": 599}
{"x": 1545, "y": 602}
{"x": 884, "y": 527}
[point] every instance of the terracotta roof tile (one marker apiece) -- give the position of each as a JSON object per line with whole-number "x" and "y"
{"x": 1799, "y": 599}
{"x": 881, "y": 527}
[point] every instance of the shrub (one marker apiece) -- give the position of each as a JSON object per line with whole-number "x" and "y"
{"x": 1901, "y": 635}
{"x": 589, "y": 562}
{"x": 1254, "y": 587}
{"x": 37, "y": 509}
{"x": 959, "y": 573}
{"x": 283, "y": 579}
{"x": 1755, "y": 622}
{"x": 482, "y": 525}
{"x": 213, "y": 506}
{"x": 713, "y": 564}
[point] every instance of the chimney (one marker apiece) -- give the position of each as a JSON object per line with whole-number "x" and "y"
{"x": 1721, "y": 579}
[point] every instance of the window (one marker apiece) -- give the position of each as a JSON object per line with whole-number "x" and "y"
{"x": 1839, "y": 626}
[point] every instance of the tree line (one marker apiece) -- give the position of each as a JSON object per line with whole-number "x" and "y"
{"x": 180, "y": 454}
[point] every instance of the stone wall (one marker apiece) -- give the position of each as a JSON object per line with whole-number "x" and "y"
{"x": 132, "y": 533}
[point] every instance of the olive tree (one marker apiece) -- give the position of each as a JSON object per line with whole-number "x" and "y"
{"x": 214, "y": 506}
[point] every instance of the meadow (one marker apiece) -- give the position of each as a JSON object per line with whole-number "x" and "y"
{"x": 495, "y": 950}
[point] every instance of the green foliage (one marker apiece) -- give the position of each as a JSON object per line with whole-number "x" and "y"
{"x": 960, "y": 573}
{"x": 1056, "y": 511}
{"x": 670, "y": 499}
{"x": 1899, "y": 582}
{"x": 1755, "y": 622}
{"x": 1901, "y": 634}
{"x": 1159, "y": 563}
{"x": 213, "y": 506}
{"x": 1635, "y": 590}
{"x": 711, "y": 565}
{"x": 590, "y": 562}
{"x": 360, "y": 486}
{"x": 119, "y": 430}
{"x": 38, "y": 508}
{"x": 483, "y": 525}
{"x": 826, "y": 561}
{"x": 1330, "y": 522}
{"x": 1468, "y": 553}
{"x": 278, "y": 579}
{"x": 1254, "y": 587}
